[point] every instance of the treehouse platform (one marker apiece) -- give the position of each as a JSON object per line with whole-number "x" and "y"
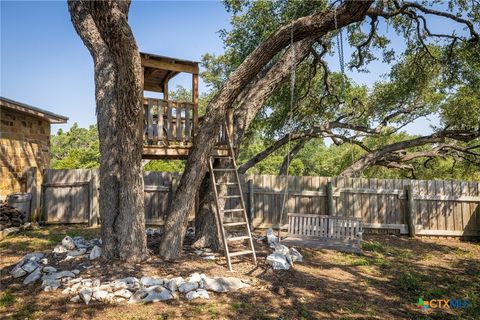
{"x": 169, "y": 126}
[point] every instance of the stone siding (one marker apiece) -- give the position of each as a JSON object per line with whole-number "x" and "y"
{"x": 24, "y": 143}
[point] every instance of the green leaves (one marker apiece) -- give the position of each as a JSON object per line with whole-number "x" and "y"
{"x": 76, "y": 148}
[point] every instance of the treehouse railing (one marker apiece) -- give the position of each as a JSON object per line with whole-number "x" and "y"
{"x": 169, "y": 123}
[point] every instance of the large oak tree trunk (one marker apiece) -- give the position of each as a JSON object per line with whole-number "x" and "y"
{"x": 104, "y": 29}
{"x": 315, "y": 26}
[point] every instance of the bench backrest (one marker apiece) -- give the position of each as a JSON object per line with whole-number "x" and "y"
{"x": 308, "y": 225}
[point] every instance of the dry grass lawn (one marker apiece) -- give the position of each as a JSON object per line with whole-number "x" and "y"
{"x": 384, "y": 283}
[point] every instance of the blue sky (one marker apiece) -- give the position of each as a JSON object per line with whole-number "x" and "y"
{"x": 44, "y": 63}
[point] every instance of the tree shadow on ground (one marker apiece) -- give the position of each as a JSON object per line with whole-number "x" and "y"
{"x": 385, "y": 283}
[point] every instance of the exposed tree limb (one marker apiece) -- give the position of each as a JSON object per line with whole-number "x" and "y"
{"x": 388, "y": 153}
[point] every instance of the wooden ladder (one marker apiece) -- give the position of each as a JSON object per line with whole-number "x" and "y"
{"x": 236, "y": 183}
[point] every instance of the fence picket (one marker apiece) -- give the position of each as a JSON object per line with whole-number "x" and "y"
{"x": 443, "y": 207}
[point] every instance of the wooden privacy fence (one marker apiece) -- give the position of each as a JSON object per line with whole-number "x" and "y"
{"x": 444, "y": 208}
{"x": 447, "y": 208}
{"x": 71, "y": 196}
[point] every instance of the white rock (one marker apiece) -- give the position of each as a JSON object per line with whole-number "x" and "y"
{"x": 105, "y": 287}
{"x": 34, "y": 256}
{"x": 150, "y": 281}
{"x": 95, "y": 253}
{"x": 50, "y": 284}
{"x": 30, "y": 260}
{"x": 30, "y": 265}
{"x": 196, "y": 277}
{"x": 66, "y": 280}
{"x": 75, "y": 286}
{"x": 209, "y": 257}
{"x": 76, "y": 253}
{"x": 5, "y": 232}
{"x": 86, "y": 295}
{"x": 49, "y": 269}
{"x": 44, "y": 261}
{"x": 131, "y": 283}
{"x": 59, "y": 249}
{"x": 96, "y": 283}
{"x": 76, "y": 271}
{"x": 118, "y": 285}
{"x": 68, "y": 243}
{"x": 124, "y": 293}
{"x": 187, "y": 287}
{"x": 296, "y": 256}
{"x": 224, "y": 284}
{"x": 75, "y": 299}
{"x": 158, "y": 294}
{"x": 100, "y": 295}
{"x": 87, "y": 283}
{"x": 199, "y": 293}
{"x": 207, "y": 254}
{"x": 67, "y": 291}
{"x": 68, "y": 258}
{"x": 138, "y": 296}
{"x": 173, "y": 283}
{"x": 61, "y": 274}
{"x": 271, "y": 238}
{"x": 18, "y": 272}
{"x": 34, "y": 276}
{"x": 282, "y": 249}
{"x": 278, "y": 261}
{"x": 110, "y": 297}
{"x": 75, "y": 280}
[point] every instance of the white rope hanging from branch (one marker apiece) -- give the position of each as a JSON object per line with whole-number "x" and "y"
{"x": 288, "y": 126}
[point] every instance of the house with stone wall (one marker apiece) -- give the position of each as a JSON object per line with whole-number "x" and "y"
{"x": 24, "y": 144}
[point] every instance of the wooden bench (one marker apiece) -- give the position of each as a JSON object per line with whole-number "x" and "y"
{"x": 328, "y": 232}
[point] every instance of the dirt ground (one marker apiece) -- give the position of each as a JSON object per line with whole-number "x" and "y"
{"x": 384, "y": 283}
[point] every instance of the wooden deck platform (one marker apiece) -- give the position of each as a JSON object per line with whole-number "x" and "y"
{"x": 174, "y": 152}
{"x": 349, "y": 246}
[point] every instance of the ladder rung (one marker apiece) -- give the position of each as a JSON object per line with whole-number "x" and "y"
{"x": 238, "y": 238}
{"x": 239, "y": 253}
{"x": 220, "y": 157}
{"x": 228, "y": 169}
{"x": 226, "y": 183}
{"x": 231, "y": 210}
{"x": 233, "y": 224}
{"x": 229, "y": 197}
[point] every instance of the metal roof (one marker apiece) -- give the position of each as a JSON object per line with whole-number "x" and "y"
{"x": 31, "y": 110}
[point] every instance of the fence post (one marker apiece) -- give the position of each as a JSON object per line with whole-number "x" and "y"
{"x": 31, "y": 187}
{"x": 411, "y": 212}
{"x": 330, "y": 202}
{"x": 250, "y": 201}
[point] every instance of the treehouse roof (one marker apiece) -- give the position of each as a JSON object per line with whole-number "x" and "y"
{"x": 158, "y": 70}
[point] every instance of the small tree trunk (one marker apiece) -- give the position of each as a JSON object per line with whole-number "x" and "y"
{"x": 206, "y": 227}
{"x": 207, "y": 232}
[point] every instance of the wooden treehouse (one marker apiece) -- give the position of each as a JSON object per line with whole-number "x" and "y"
{"x": 169, "y": 128}
{"x": 169, "y": 125}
